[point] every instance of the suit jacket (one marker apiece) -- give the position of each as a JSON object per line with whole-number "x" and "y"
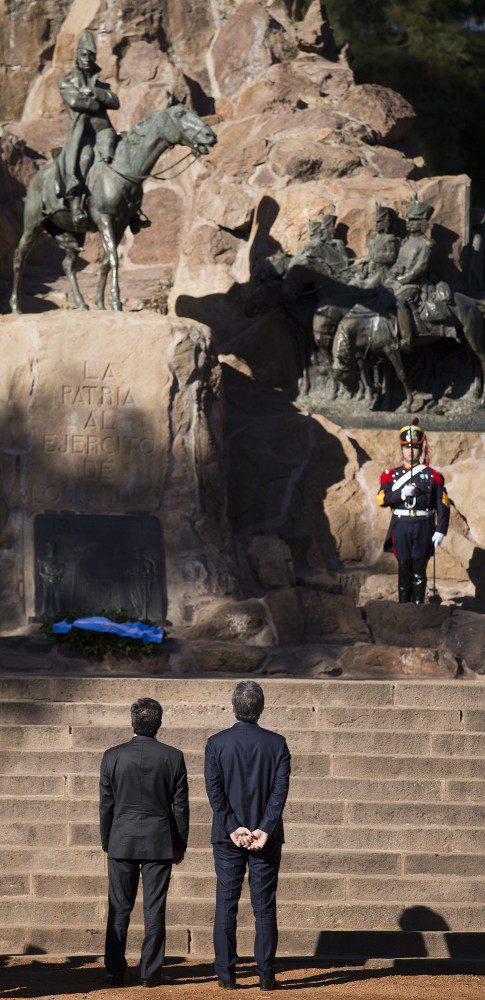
{"x": 247, "y": 773}
{"x": 143, "y": 800}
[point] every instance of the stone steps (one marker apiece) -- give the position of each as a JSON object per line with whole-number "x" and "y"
{"x": 294, "y": 888}
{"x": 334, "y": 741}
{"x": 341, "y": 837}
{"x": 86, "y": 861}
{"x": 384, "y": 821}
{"x": 298, "y": 812}
{"x": 193, "y": 691}
{"x": 86, "y": 787}
{"x": 98, "y": 719}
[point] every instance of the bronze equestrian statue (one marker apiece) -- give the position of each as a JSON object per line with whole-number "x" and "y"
{"x": 96, "y": 183}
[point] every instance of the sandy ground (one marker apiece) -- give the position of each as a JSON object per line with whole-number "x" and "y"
{"x": 78, "y": 979}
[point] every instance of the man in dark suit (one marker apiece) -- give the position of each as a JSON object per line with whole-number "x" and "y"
{"x": 247, "y": 772}
{"x": 144, "y": 820}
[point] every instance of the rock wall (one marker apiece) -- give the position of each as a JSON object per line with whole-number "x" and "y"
{"x": 296, "y": 136}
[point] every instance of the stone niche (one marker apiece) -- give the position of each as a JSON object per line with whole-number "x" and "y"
{"x": 112, "y": 438}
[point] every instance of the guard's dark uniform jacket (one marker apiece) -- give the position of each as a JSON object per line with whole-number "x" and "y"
{"x": 413, "y": 519}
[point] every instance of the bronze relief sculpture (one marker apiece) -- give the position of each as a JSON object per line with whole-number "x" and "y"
{"x": 381, "y": 310}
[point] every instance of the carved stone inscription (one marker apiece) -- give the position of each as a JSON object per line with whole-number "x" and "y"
{"x": 96, "y": 427}
{"x": 101, "y": 436}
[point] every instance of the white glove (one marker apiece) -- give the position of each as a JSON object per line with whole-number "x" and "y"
{"x": 437, "y": 538}
{"x": 409, "y": 490}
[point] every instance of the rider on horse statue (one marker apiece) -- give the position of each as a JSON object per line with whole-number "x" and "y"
{"x": 87, "y": 101}
{"x": 382, "y": 248}
{"x": 410, "y": 272}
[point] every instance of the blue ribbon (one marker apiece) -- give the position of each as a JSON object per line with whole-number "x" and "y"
{"x": 135, "y": 630}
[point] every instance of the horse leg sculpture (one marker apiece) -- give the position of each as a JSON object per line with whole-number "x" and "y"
{"x": 33, "y": 227}
{"x": 110, "y": 262}
{"x": 394, "y": 356}
{"x": 103, "y": 276}
{"x": 68, "y": 268}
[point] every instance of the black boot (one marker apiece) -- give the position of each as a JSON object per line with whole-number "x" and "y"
{"x": 78, "y": 215}
{"x": 404, "y": 581}
{"x": 419, "y": 580}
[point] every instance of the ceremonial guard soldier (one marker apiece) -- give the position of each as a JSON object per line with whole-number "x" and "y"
{"x": 420, "y": 513}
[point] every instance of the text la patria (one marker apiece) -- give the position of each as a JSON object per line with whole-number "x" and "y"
{"x": 96, "y": 402}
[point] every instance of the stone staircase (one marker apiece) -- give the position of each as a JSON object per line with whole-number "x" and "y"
{"x": 385, "y": 847}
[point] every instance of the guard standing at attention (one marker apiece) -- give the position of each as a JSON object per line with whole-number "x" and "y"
{"x": 420, "y": 513}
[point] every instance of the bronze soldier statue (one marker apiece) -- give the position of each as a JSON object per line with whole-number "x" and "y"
{"x": 410, "y": 271}
{"x": 323, "y": 265}
{"x": 383, "y": 248}
{"x": 87, "y": 101}
{"x": 323, "y": 255}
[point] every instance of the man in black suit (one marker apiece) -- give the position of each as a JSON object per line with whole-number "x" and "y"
{"x": 144, "y": 820}
{"x": 247, "y": 772}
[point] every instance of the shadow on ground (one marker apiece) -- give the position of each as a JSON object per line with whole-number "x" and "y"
{"x": 79, "y": 977}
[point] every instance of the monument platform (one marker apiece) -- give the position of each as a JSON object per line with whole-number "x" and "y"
{"x": 111, "y": 463}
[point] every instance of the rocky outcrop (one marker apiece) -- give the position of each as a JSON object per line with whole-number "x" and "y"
{"x": 27, "y": 41}
{"x": 284, "y": 104}
{"x": 296, "y": 136}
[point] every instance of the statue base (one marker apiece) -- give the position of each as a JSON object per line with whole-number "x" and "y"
{"x": 108, "y": 496}
{"x": 467, "y": 415}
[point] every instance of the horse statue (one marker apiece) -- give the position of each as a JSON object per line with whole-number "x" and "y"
{"x": 361, "y": 332}
{"x": 313, "y": 302}
{"x": 364, "y": 331}
{"x": 114, "y": 194}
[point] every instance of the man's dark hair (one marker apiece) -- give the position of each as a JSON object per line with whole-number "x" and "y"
{"x": 248, "y": 701}
{"x": 146, "y": 716}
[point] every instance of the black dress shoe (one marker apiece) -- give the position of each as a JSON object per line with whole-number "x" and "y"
{"x": 269, "y": 984}
{"x": 114, "y": 980}
{"x": 160, "y": 981}
{"x": 227, "y": 984}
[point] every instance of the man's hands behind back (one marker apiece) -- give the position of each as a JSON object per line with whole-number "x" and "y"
{"x": 242, "y": 837}
{"x": 260, "y": 838}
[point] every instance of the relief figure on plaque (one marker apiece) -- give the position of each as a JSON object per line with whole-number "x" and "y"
{"x": 51, "y": 571}
{"x": 141, "y": 575}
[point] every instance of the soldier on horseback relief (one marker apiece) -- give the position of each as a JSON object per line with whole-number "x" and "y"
{"x": 410, "y": 272}
{"x": 420, "y": 512}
